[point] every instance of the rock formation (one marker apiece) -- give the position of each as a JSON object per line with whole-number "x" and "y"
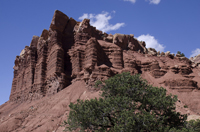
{"x": 68, "y": 51}
{"x": 72, "y": 52}
{"x": 195, "y": 60}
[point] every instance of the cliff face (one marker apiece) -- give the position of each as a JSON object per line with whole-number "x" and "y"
{"x": 68, "y": 51}
{"x": 70, "y": 56}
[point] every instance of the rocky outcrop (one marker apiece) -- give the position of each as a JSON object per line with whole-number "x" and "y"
{"x": 152, "y": 51}
{"x": 182, "y": 85}
{"x": 39, "y": 70}
{"x": 67, "y": 52}
{"x": 156, "y": 70}
{"x": 195, "y": 61}
{"x": 24, "y": 71}
{"x": 182, "y": 69}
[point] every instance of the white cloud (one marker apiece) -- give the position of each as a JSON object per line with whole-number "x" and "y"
{"x": 132, "y": 1}
{"x": 83, "y": 16}
{"x": 150, "y": 1}
{"x": 195, "y": 52}
{"x": 101, "y": 21}
{"x": 151, "y": 42}
{"x": 154, "y": 1}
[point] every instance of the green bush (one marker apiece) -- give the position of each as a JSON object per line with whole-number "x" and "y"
{"x": 185, "y": 106}
{"x": 127, "y": 104}
{"x": 190, "y": 126}
{"x": 182, "y": 54}
{"x": 98, "y": 82}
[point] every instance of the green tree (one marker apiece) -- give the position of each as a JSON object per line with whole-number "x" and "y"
{"x": 127, "y": 103}
{"x": 182, "y": 54}
{"x": 190, "y": 126}
{"x": 193, "y": 125}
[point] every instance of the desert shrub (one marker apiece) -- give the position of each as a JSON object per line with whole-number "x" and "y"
{"x": 182, "y": 54}
{"x": 127, "y": 104}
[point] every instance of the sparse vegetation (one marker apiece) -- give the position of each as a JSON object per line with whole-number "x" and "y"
{"x": 185, "y": 106}
{"x": 190, "y": 126}
{"x": 98, "y": 82}
{"x": 182, "y": 54}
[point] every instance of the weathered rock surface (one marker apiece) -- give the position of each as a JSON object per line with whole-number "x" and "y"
{"x": 68, "y": 51}
{"x": 63, "y": 64}
{"x": 195, "y": 60}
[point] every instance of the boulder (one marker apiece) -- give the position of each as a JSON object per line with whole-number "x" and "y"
{"x": 109, "y": 38}
{"x": 167, "y": 53}
{"x": 152, "y": 51}
{"x": 121, "y": 40}
{"x": 196, "y": 59}
{"x": 178, "y": 55}
{"x": 162, "y": 54}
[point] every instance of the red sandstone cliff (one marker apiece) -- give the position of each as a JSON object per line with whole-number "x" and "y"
{"x": 63, "y": 64}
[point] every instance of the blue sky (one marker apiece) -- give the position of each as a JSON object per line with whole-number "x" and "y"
{"x": 167, "y": 25}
